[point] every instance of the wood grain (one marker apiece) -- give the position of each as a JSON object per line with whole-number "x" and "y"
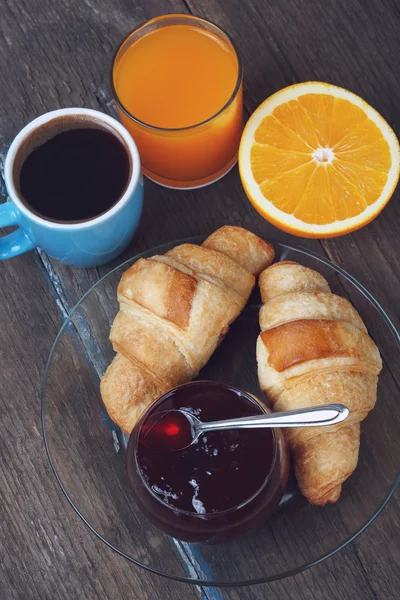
{"x": 58, "y": 54}
{"x": 46, "y": 551}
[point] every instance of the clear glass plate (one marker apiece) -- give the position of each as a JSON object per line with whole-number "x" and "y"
{"x": 86, "y": 449}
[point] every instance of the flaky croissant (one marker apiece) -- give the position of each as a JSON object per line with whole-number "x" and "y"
{"x": 174, "y": 311}
{"x": 314, "y": 349}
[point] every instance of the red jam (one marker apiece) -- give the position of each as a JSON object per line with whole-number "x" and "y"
{"x": 226, "y": 483}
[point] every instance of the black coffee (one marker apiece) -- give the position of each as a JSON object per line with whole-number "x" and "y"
{"x": 76, "y": 175}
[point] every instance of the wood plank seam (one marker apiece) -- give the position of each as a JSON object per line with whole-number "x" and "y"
{"x": 193, "y": 564}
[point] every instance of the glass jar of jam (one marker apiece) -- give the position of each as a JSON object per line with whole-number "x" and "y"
{"x": 225, "y": 484}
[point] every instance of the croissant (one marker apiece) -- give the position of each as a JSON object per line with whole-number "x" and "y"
{"x": 314, "y": 348}
{"x": 174, "y": 311}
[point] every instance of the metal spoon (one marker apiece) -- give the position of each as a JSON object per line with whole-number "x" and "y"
{"x": 316, "y": 416}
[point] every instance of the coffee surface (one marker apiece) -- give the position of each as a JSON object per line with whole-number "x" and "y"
{"x": 75, "y": 175}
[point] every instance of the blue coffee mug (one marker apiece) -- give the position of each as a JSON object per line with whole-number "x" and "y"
{"x": 87, "y": 243}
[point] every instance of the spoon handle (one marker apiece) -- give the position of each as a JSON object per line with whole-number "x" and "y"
{"x": 316, "y": 416}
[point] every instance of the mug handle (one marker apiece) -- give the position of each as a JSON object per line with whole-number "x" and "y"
{"x": 16, "y": 242}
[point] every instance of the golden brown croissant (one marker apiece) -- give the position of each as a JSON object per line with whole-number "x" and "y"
{"x": 174, "y": 311}
{"x": 314, "y": 349}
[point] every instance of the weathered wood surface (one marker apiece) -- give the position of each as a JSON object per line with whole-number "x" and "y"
{"x": 58, "y": 54}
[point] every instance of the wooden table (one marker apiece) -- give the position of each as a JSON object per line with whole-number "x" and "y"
{"x": 58, "y": 54}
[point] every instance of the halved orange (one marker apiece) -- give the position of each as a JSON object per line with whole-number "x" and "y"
{"x": 317, "y": 161}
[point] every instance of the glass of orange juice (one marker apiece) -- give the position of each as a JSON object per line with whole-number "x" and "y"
{"x": 177, "y": 81}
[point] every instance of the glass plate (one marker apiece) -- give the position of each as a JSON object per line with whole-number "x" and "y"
{"x": 86, "y": 449}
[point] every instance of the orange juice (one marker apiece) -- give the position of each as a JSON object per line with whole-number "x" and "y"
{"x": 177, "y": 81}
{"x": 176, "y": 76}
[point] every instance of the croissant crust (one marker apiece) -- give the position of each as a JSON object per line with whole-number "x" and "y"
{"x": 314, "y": 349}
{"x": 174, "y": 311}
